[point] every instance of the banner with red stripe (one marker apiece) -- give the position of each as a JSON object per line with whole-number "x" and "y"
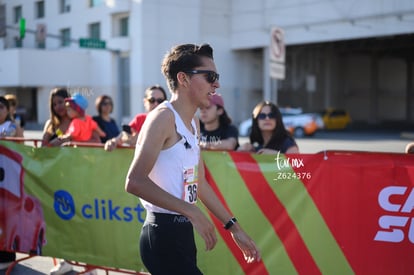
{"x": 325, "y": 213}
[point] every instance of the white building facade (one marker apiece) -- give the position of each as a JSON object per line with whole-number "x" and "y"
{"x": 348, "y": 54}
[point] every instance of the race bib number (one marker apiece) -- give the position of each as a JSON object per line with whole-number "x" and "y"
{"x": 190, "y": 184}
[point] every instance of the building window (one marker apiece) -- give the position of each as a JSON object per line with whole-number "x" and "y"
{"x": 18, "y": 42}
{"x": 95, "y": 31}
{"x": 41, "y": 45}
{"x": 65, "y": 37}
{"x": 120, "y": 25}
{"x": 64, "y": 6}
{"x": 123, "y": 26}
{"x": 17, "y": 14}
{"x": 3, "y": 20}
{"x": 95, "y": 3}
{"x": 40, "y": 9}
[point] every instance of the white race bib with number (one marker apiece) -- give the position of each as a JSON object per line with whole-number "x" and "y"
{"x": 190, "y": 184}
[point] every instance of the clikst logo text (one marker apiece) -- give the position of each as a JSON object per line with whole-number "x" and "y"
{"x": 99, "y": 209}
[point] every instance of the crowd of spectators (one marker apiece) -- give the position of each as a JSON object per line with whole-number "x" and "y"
{"x": 68, "y": 122}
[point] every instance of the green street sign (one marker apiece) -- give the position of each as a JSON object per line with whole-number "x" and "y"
{"x": 92, "y": 43}
{"x": 22, "y": 27}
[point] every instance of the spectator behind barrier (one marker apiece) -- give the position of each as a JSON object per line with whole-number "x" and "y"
{"x": 82, "y": 127}
{"x": 217, "y": 132}
{"x": 7, "y": 126}
{"x": 104, "y": 106}
{"x": 269, "y": 135}
{"x": 59, "y": 120}
{"x": 154, "y": 95}
{"x": 17, "y": 119}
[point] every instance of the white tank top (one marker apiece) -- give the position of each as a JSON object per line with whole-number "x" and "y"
{"x": 169, "y": 169}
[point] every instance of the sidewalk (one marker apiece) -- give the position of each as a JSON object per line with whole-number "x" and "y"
{"x": 33, "y": 134}
{"x": 33, "y": 266}
{"x": 42, "y": 265}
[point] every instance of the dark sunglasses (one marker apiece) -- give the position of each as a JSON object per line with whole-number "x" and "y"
{"x": 152, "y": 100}
{"x": 264, "y": 116}
{"x": 106, "y": 103}
{"x": 212, "y": 76}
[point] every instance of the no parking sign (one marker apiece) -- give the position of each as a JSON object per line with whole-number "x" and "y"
{"x": 277, "y": 53}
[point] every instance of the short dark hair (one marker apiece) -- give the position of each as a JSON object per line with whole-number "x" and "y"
{"x": 5, "y": 102}
{"x": 182, "y": 58}
{"x": 155, "y": 87}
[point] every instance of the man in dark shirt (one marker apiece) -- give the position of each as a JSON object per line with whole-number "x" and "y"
{"x": 217, "y": 132}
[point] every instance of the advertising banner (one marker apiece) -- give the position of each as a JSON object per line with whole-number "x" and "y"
{"x": 325, "y": 213}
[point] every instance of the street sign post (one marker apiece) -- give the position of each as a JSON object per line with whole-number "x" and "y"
{"x": 41, "y": 33}
{"x": 277, "y": 56}
{"x": 277, "y": 53}
{"x": 92, "y": 43}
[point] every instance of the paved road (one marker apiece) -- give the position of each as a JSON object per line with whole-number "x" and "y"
{"x": 42, "y": 265}
{"x": 34, "y": 266}
{"x": 372, "y": 141}
{"x": 380, "y": 141}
